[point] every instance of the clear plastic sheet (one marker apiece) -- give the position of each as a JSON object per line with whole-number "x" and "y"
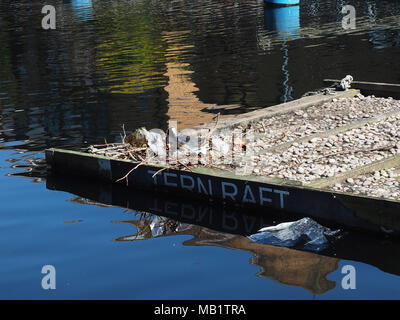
{"x": 303, "y": 234}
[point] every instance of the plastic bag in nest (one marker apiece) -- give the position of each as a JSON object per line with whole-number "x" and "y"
{"x": 302, "y": 234}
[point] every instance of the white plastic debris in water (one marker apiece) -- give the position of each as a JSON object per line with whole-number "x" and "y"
{"x": 304, "y": 233}
{"x": 157, "y": 227}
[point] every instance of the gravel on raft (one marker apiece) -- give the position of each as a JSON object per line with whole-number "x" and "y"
{"x": 380, "y": 184}
{"x": 310, "y": 159}
{"x": 316, "y": 119}
{"x": 326, "y": 157}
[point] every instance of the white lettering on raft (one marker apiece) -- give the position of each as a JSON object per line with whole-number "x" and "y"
{"x": 201, "y": 186}
{"x": 262, "y": 199}
{"x": 281, "y": 194}
{"x": 170, "y": 183}
{"x": 187, "y": 178}
{"x": 225, "y": 193}
{"x": 229, "y": 190}
{"x": 248, "y": 192}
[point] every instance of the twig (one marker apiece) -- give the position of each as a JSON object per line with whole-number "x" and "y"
{"x": 111, "y": 148}
{"x": 133, "y": 150}
{"x": 159, "y": 171}
{"x": 104, "y": 145}
{"x": 279, "y": 138}
{"x": 215, "y": 126}
{"x": 206, "y": 138}
{"x": 130, "y": 171}
{"x": 182, "y": 164}
{"x": 123, "y": 137}
{"x": 140, "y": 157}
{"x": 172, "y": 167}
{"x": 131, "y": 155}
{"x": 263, "y": 126}
{"x": 381, "y": 148}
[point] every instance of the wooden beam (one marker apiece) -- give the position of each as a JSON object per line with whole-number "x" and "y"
{"x": 283, "y": 108}
{"x": 370, "y": 86}
{"x": 383, "y": 164}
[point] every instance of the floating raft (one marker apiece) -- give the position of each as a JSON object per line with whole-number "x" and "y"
{"x": 315, "y": 199}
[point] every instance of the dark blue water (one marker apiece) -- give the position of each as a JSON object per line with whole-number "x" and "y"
{"x": 143, "y": 63}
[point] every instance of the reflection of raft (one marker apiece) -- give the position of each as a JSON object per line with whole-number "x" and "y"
{"x": 283, "y": 265}
{"x": 216, "y": 225}
{"x": 314, "y": 199}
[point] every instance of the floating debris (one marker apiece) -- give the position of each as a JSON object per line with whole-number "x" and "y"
{"x": 302, "y": 234}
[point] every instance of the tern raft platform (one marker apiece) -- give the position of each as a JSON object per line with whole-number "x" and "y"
{"x": 315, "y": 199}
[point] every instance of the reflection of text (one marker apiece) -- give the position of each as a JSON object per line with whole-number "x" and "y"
{"x": 206, "y": 215}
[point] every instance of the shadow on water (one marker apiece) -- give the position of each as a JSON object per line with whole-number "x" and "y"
{"x": 212, "y": 224}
